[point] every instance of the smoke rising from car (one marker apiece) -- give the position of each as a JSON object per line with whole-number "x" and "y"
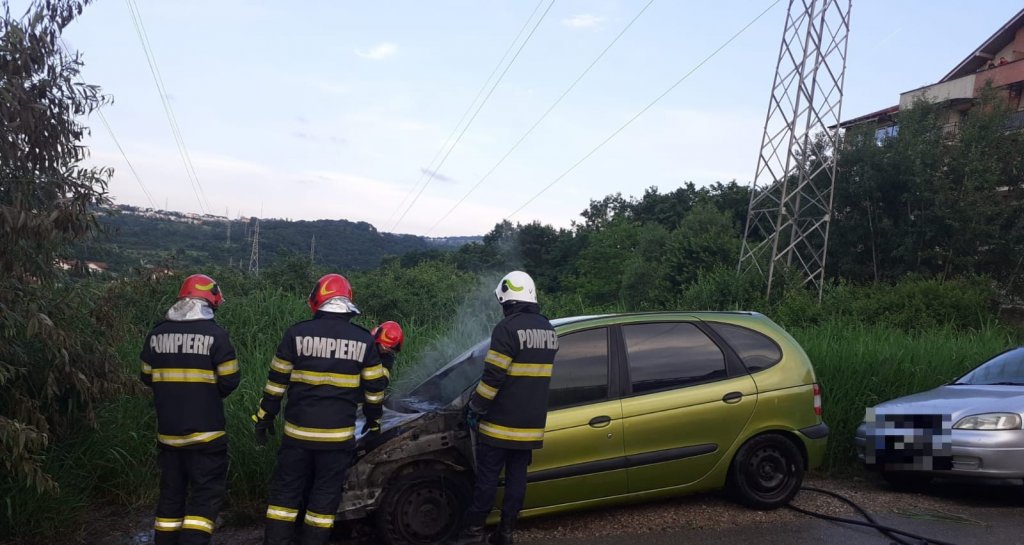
{"x": 471, "y": 324}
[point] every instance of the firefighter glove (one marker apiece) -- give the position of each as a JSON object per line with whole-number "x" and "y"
{"x": 472, "y": 419}
{"x": 262, "y": 428}
{"x": 371, "y": 428}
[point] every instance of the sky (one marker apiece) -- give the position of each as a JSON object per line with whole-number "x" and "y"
{"x": 337, "y": 109}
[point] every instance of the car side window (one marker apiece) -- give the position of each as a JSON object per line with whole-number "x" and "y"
{"x": 670, "y": 355}
{"x": 757, "y": 351}
{"x": 580, "y": 373}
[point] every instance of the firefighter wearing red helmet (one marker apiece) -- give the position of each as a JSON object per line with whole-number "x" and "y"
{"x": 388, "y": 338}
{"x": 326, "y": 366}
{"x": 190, "y": 364}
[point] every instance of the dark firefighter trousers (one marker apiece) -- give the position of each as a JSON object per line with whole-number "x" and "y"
{"x": 490, "y": 461}
{"x": 310, "y": 479}
{"x": 192, "y": 485}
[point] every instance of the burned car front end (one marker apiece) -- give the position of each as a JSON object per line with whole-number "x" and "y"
{"x": 418, "y": 468}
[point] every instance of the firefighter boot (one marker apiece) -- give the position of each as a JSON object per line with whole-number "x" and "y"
{"x": 471, "y": 535}
{"x": 505, "y": 534}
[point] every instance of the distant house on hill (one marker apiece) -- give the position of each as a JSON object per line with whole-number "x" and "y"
{"x": 999, "y": 60}
{"x": 92, "y": 267}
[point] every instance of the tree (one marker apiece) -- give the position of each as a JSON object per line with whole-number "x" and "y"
{"x": 54, "y": 364}
{"x": 623, "y": 265}
{"x": 936, "y": 199}
{"x": 706, "y": 240}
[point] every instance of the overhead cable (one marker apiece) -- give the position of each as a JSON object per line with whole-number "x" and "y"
{"x": 539, "y": 120}
{"x": 433, "y": 172}
{"x": 455, "y": 129}
{"x": 643, "y": 110}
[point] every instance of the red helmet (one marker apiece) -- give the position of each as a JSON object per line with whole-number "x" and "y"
{"x": 328, "y": 287}
{"x": 389, "y": 335}
{"x": 202, "y": 287}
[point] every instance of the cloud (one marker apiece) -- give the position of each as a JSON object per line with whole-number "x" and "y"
{"x": 378, "y": 52}
{"x": 437, "y": 175}
{"x": 336, "y": 88}
{"x": 584, "y": 20}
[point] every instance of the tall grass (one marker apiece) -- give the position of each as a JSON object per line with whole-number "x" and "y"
{"x": 860, "y": 365}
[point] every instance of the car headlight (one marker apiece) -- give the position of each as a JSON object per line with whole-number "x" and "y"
{"x": 991, "y": 421}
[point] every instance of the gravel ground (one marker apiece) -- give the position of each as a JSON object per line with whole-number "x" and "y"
{"x": 946, "y": 501}
{"x": 943, "y": 501}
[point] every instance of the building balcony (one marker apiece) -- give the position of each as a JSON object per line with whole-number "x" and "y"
{"x": 1000, "y": 76}
{"x": 960, "y": 88}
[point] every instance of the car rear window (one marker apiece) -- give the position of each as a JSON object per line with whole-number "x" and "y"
{"x": 757, "y": 350}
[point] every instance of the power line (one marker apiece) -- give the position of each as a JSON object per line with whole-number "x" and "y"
{"x": 644, "y": 110}
{"x": 433, "y": 172}
{"x": 455, "y": 129}
{"x": 131, "y": 167}
{"x": 540, "y": 119}
{"x": 186, "y": 159}
{"x": 113, "y": 137}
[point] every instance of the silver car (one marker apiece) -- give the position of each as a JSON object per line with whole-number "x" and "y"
{"x": 970, "y": 427}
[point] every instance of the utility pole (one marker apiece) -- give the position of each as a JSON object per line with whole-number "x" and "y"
{"x": 312, "y": 248}
{"x": 254, "y": 257}
{"x": 791, "y": 195}
{"x": 228, "y": 216}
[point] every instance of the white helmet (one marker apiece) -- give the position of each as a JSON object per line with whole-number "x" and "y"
{"x": 516, "y": 286}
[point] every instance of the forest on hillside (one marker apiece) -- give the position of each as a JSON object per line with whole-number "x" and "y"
{"x": 130, "y": 240}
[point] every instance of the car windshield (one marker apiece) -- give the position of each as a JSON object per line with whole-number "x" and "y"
{"x": 447, "y": 384}
{"x": 1005, "y": 369}
{"x": 451, "y": 381}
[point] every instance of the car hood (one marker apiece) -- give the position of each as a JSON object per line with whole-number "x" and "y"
{"x": 394, "y": 423}
{"x": 391, "y": 420}
{"x": 958, "y": 401}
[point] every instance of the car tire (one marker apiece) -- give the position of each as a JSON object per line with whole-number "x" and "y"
{"x": 766, "y": 472}
{"x": 907, "y": 480}
{"x": 422, "y": 506}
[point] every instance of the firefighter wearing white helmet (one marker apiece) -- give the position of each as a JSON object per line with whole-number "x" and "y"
{"x": 516, "y": 286}
{"x": 509, "y": 408}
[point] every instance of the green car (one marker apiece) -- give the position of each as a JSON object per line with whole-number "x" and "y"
{"x": 642, "y": 406}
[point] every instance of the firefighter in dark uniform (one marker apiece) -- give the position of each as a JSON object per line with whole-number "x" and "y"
{"x": 509, "y": 408}
{"x": 327, "y": 366}
{"x": 388, "y": 338}
{"x": 190, "y": 364}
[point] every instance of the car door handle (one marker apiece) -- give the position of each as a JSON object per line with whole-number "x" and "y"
{"x": 600, "y": 421}
{"x": 732, "y": 397}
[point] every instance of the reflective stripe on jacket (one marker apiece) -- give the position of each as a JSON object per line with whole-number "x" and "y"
{"x": 512, "y": 395}
{"x": 326, "y": 366}
{"x": 191, "y": 367}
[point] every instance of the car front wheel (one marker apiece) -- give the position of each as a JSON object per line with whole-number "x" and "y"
{"x": 423, "y": 506}
{"x": 766, "y": 472}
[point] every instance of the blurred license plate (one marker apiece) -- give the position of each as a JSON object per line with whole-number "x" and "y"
{"x": 909, "y": 441}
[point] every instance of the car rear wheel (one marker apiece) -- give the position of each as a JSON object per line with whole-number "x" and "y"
{"x": 423, "y": 506}
{"x": 766, "y": 472}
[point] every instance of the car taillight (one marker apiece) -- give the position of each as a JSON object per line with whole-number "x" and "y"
{"x": 817, "y": 399}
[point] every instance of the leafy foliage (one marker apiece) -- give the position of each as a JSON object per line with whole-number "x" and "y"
{"x": 54, "y": 364}
{"x": 938, "y": 199}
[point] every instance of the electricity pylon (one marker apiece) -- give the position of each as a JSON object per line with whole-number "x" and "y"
{"x": 791, "y": 195}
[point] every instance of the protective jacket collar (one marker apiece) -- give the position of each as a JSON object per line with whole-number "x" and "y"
{"x": 518, "y": 306}
{"x": 189, "y": 310}
{"x": 339, "y": 305}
